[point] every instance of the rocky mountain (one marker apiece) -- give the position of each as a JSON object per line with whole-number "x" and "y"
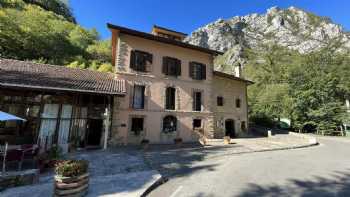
{"x": 293, "y": 28}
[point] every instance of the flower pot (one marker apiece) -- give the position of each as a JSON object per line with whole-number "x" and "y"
{"x": 71, "y": 186}
{"x": 178, "y": 142}
{"x": 145, "y": 144}
{"x": 227, "y": 140}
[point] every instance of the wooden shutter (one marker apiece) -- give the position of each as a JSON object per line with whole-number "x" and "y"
{"x": 204, "y": 71}
{"x": 132, "y": 59}
{"x": 143, "y": 97}
{"x": 191, "y": 70}
{"x": 165, "y": 65}
{"x": 178, "y": 67}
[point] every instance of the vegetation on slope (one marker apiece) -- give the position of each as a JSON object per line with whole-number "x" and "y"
{"x": 309, "y": 89}
{"x": 45, "y": 31}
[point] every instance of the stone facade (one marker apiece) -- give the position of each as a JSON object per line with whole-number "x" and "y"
{"x": 231, "y": 91}
{"x": 155, "y": 83}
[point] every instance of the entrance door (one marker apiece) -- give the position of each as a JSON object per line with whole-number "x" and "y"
{"x": 230, "y": 128}
{"x": 94, "y": 132}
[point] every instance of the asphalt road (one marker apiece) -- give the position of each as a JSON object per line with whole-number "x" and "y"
{"x": 322, "y": 170}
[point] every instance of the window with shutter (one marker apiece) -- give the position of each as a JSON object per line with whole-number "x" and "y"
{"x": 220, "y": 101}
{"x": 238, "y": 103}
{"x": 197, "y": 71}
{"x": 197, "y": 101}
{"x": 170, "y": 98}
{"x": 139, "y": 60}
{"x": 139, "y": 97}
{"x": 137, "y": 125}
{"x": 171, "y": 66}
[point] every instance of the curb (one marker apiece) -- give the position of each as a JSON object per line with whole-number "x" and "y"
{"x": 161, "y": 180}
{"x": 267, "y": 150}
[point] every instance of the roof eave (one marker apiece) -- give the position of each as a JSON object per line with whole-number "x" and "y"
{"x": 8, "y": 85}
{"x": 161, "y": 39}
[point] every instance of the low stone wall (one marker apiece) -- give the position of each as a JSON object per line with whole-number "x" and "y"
{"x": 13, "y": 179}
{"x": 312, "y": 140}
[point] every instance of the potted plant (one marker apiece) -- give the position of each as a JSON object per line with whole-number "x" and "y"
{"x": 178, "y": 141}
{"x": 54, "y": 155}
{"x": 227, "y": 140}
{"x": 43, "y": 160}
{"x": 145, "y": 144}
{"x": 72, "y": 178}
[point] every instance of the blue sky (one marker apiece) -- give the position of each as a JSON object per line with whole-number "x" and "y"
{"x": 188, "y": 15}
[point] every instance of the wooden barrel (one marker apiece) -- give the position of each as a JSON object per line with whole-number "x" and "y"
{"x": 71, "y": 186}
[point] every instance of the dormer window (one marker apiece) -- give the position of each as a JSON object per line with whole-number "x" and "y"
{"x": 171, "y": 66}
{"x": 197, "y": 71}
{"x": 140, "y": 60}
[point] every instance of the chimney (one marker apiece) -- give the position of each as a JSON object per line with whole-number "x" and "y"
{"x": 238, "y": 70}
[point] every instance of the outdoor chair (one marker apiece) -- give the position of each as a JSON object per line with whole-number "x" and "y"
{"x": 15, "y": 155}
{"x": 11, "y": 155}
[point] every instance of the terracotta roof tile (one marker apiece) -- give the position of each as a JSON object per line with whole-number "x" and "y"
{"x": 15, "y": 73}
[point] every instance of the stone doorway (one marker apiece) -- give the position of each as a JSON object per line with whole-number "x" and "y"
{"x": 230, "y": 128}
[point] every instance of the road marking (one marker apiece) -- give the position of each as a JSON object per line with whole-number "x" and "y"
{"x": 177, "y": 191}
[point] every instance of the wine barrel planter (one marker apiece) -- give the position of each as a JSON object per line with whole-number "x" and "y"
{"x": 71, "y": 186}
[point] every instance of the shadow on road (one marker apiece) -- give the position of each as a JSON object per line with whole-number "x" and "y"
{"x": 338, "y": 184}
{"x": 172, "y": 161}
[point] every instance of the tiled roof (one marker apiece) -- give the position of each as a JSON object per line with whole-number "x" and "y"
{"x": 23, "y": 74}
{"x": 230, "y": 76}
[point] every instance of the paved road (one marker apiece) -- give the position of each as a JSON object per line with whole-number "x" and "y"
{"x": 322, "y": 170}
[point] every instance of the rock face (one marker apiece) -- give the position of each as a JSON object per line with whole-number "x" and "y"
{"x": 292, "y": 28}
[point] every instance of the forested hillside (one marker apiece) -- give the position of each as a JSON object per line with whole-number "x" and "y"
{"x": 46, "y": 31}
{"x": 300, "y": 63}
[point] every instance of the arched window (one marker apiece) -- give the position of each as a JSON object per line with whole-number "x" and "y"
{"x": 169, "y": 124}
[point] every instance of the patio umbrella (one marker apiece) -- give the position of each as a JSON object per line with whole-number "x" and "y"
{"x": 6, "y": 116}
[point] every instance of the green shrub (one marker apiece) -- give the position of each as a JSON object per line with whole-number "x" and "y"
{"x": 71, "y": 168}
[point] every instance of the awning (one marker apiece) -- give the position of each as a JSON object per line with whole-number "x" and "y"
{"x": 6, "y": 116}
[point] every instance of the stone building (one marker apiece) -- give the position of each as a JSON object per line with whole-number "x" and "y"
{"x": 172, "y": 90}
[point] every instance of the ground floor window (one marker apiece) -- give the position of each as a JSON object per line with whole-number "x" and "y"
{"x": 197, "y": 123}
{"x": 169, "y": 124}
{"x": 137, "y": 125}
{"x": 243, "y": 126}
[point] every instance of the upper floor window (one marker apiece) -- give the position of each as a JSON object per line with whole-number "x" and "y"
{"x": 171, "y": 66}
{"x": 238, "y": 103}
{"x": 140, "y": 60}
{"x": 170, "y": 98}
{"x": 220, "y": 101}
{"x": 197, "y": 71}
{"x": 169, "y": 124}
{"x": 197, "y": 101}
{"x": 138, "y": 97}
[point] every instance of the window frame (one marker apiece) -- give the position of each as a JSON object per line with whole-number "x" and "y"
{"x": 137, "y": 132}
{"x": 197, "y": 71}
{"x": 220, "y": 101}
{"x": 174, "y": 120}
{"x": 170, "y": 103}
{"x": 238, "y": 103}
{"x": 135, "y": 57}
{"x": 195, "y": 103}
{"x": 171, "y": 66}
{"x": 143, "y": 97}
